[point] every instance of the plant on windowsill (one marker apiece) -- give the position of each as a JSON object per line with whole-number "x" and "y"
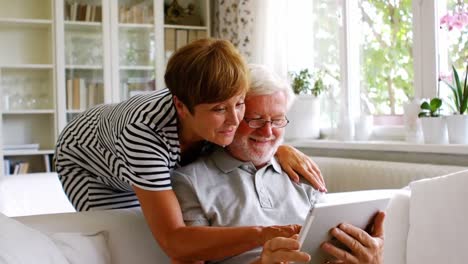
{"x": 458, "y": 122}
{"x": 301, "y": 82}
{"x": 431, "y": 108}
{"x": 304, "y": 115}
{"x": 434, "y": 126}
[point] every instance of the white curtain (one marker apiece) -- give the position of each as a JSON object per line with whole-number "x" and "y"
{"x": 276, "y": 33}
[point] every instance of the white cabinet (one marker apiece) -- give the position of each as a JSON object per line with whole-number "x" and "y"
{"x": 27, "y": 81}
{"x": 83, "y": 56}
{"x": 58, "y": 58}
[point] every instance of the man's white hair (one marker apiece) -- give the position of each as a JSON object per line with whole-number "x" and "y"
{"x": 263, "y": 81}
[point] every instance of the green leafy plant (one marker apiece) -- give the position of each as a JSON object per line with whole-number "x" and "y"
{"x": 460, "y": 91}
{"x": 431, "y": 108}
{"x": 302, "y": 82}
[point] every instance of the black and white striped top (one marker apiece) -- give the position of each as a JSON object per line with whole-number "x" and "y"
{"x": 134, "y": 142}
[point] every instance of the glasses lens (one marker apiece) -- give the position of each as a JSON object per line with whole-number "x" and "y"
{"x": 256, "y": 123}
{"x": 279, "y": 123}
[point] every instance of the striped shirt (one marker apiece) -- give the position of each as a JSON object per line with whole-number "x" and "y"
{"x": 108, "y": 148}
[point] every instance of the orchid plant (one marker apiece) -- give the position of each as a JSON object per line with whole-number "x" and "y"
{"x": 460, "y": 91}
{"x": 457, "y": 19}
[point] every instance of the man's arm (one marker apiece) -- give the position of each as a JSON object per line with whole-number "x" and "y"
{"x": 365, "y": 248}
{"x": 163, "y": 215}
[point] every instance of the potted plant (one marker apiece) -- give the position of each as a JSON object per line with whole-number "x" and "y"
{"x": 433, "y": 125}
{"x": 305, "y": 112}
{"x": 458, "y": 122}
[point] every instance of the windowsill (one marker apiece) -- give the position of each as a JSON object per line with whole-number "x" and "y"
{"x": 385, "y": 146}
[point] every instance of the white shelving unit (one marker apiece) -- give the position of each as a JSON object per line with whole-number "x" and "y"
{"x": 27, "y": 81}
{"x": 59, "y": 57}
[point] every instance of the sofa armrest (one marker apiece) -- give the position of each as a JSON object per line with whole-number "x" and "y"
{"x": 32, "y": 194}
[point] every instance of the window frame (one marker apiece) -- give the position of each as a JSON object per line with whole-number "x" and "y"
{"x": 425, "y": 58}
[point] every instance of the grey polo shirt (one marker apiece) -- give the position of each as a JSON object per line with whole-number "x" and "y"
{"x": 219, "y": 190}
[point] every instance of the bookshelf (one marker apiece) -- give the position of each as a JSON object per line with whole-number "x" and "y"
{"x": 27, "y": 81}
{"x": 60, "y": 57}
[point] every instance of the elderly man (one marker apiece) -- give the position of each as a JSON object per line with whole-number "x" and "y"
{"x": 243, "y": 184}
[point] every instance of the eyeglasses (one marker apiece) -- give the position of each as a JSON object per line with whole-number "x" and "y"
{"x": 258, "y": 122}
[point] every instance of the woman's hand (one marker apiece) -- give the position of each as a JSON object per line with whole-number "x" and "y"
{"x": 296, "y": 163}
{"x": 270, "y": 232}
{"x": 364, "y": 248}
{"x": 282, "y": 250}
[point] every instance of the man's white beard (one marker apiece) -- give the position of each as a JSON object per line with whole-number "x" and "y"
{"x": 258, "y": 158}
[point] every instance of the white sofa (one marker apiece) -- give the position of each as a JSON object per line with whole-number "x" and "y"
{"x": 421, "y": 226}
{"x": 424, "y": 224}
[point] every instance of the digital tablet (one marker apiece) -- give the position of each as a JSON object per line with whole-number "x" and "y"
{"x": 324, "y": 216}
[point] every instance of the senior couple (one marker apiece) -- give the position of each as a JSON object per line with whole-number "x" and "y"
{"x": 234, "y": 204}
{"x": 243, "y": 184}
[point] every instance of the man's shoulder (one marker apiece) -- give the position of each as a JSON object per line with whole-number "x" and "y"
{"x": 201, "y": 166}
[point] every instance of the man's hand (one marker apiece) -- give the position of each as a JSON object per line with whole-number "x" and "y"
{"x": 282, "y": 250}
{"x": 296, "y": 163}
{"x": 364, "y": 248}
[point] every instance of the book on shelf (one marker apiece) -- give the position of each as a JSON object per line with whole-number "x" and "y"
{"x": 47, "y": 163}
{"x": 6, "y": 167}
{"x": 82, "y": 94}
{"x": 15, "y": 167}
{"x": 169, "y": 39}
{"x": 69, "y": 94}
{"x": 181, "y": 38}
{"x": 83, "y": 12}
{"x": 192, "y": 36}
{"x": 137, "y": 13}
{"x": 201, "y": 34}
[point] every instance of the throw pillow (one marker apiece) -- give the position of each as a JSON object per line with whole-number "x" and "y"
{"x": 22, "y": 244}
{"x": 81, "y": 248}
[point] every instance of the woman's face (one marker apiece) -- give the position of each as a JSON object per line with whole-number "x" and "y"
{"x": 217, "y": 122}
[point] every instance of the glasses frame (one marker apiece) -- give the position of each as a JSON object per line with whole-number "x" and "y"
{"x": 264, "y": 122}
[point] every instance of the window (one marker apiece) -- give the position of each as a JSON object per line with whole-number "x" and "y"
{"x": 453, "y": 44}
{"x": 378, "y": 54}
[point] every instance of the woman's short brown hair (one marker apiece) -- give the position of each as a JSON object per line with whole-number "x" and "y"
{"x": 206, "y": 71}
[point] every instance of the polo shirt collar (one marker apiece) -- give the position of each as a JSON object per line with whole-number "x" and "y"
{"x": 227, "y": 163}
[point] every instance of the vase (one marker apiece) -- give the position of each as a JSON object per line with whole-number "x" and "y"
{"x": 457, "y": 129}
{"x": 434, "y": 130}
{"x": 304, "y": 118}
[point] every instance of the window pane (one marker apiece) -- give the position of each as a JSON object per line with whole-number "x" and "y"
{"x": 386, "y": 64}
{"x": 453, "y": 46}
{"x": 318, "y": 49}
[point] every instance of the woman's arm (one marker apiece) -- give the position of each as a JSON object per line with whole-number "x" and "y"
{"x": 294, "y": 162}
{"x": 163, "y": 215}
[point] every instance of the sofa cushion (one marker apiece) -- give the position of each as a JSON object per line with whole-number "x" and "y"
{"x": 438, "y": 218}
{"x": 22, "y": 244}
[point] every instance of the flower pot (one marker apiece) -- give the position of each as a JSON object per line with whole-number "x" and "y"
{"x": 457, "y": 129}
{"x": 434, "y": 130}
{"x": 363, "y": 127}
{"x": 304, "y": 118}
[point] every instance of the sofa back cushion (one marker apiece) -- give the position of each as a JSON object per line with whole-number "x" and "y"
{"x": 438, "y": 219}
